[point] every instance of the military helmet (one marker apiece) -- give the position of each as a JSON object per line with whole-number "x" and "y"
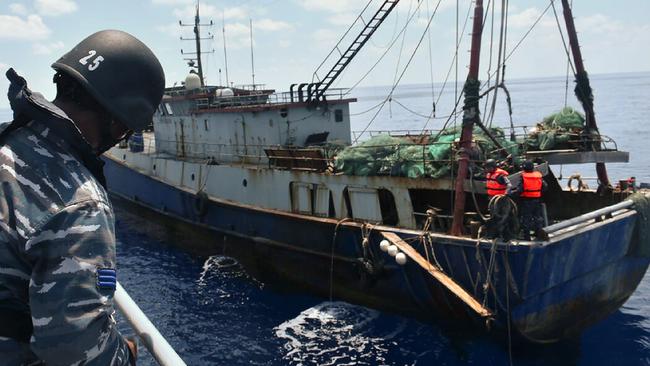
{"x": 528, "y": 166}
{"x": 490, "y": 164}
{"x": 120, "y": 72}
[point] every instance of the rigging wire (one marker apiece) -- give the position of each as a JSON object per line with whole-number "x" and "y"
{"x": 566, "y": 83}
{"x": 499, "y": 75}
{"x": 528, "y": 32}
{"x": 489, "y": 70}
{"x": 336, "y": 47}
{"x": 401, "y": 47}
{"x": 433, "y": 90}
{"x": 559, "y": 27}
{"x": 408, "y": 63}
{"x": 394, "y": 31}
{"x": 408, "y": 21}
{"x": 454, "y": 62}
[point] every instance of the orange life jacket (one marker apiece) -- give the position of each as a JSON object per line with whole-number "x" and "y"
{"x": 532, "y": 184}
{"x": 494, "y": 188}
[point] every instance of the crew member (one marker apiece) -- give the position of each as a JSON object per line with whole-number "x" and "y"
{"x": 497, "y": 182}
{"x": 57, "y": 240}
{"x": 531, "y": 213}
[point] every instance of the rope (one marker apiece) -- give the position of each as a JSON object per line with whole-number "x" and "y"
{"x": 401, "y": 47}
{"x": 508, "y": 324}
{"x": 315, "y": 75}
{"x": 408, "y": 63}
{"x": 489, "y": 70}
{"x": 488, "y": 277}
{"x": 336, "y": 229}
{"x": 500, "y": 71}
{"x": 527, "y": 33}
{"x": 454, "y": 61}
{"x": 419, "y": 114}
{"x": 559, "y": 28}
{"x": 367, "y": 110}
{"x": 408, "y": 21}
{"x": 433, "y": 90}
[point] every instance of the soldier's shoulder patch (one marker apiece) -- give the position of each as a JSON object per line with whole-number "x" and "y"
{"x": 106, "y": 278}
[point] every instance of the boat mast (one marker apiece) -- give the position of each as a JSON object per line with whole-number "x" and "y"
{"x": 470, "y": 118}
{"x": 583, "y": 89}
{"x": 252, "y": 59}
{"x": 197, "y": 39}
{"x": 225, "y": 53}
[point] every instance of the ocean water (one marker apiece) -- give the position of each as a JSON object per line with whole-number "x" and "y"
{"x": 214, "y": 313}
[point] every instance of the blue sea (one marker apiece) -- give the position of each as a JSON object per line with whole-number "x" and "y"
{"x": 214, "y": 313}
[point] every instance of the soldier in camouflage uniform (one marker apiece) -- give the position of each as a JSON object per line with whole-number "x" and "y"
{"x": 57, "y": 239}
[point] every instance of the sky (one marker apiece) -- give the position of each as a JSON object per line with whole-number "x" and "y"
{"x": 291, "y": 38}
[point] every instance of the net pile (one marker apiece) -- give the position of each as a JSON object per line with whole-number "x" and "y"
{"x": 399, "y": 156}
{"x": 556, "y": 130}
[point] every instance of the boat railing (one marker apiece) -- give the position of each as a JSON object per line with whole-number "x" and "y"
{"x": 256, "y": 99}
{"x": 157, "y": 345}
{"x": 386, "y": 155}
{"x": 587, "y": 218}
{"x": 520, "y": 134}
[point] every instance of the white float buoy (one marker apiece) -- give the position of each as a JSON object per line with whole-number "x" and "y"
{"x": 400, "y": 258}
{"x": 383, "y": 245}
{"x": 392, "y": 250}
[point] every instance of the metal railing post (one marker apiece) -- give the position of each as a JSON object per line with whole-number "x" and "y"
{"x": 159, "y": 348}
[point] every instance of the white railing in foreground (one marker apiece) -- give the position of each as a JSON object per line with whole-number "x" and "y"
{"x": 149, "y": 335}
{"x": 588, "y": 216}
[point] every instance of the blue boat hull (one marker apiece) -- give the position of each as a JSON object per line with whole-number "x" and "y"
{"x": 542, "y": 292}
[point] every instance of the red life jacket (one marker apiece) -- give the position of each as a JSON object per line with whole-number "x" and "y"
{"x": 494, "y": 188}
{"x": 532, "y": 184}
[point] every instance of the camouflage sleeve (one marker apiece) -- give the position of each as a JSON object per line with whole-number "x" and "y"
{"x": 71, "y": 306}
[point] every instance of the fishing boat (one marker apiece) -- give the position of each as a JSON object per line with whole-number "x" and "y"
{"x": 259, "y": 166}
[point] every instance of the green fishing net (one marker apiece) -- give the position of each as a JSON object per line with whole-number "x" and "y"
{"x": 641, "y": 236}
{"x": 556, "y": 131}
{"x": 434, "y": 157}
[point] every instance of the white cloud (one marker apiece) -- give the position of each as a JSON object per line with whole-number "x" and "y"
{"x": 210, "y": 12}
{"x": 326, "y": 36}
{"x": 524, "y": 19}
{"x": 283, "y": 43}
{"x": 172, "y": 2}
{"x": 55, "y": 7}
{"x": 335, "y": 6}
{"x": 600, "y": 24}
{"x": 47, "y": 48}
{"x": 172, "y": 29}
{"x": 17, "y": 8}
{"x": 271, "y": 25}
{"x": 16, "y": 28}
{"x": 343, "y": 19}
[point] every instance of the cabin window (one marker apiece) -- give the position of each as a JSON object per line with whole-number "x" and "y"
{"x": 301, "y": 197}
{"x": 205, "y": 124}
{"x": 387, "y": 207}
{"x": 338, "y": 115}
{"x": 365, "y": 204}
{"x": 322, "y": 198}
{"x": 168, "y": 108}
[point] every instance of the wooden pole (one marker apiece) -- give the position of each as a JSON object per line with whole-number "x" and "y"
{"x": 583, "y": 89}
{"x": 470, "y": 117}
{"x": 446, "y": 281}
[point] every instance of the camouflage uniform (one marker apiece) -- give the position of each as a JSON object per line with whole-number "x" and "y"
{"x": 57, "y": 242}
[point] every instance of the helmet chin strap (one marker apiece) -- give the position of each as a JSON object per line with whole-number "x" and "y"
{"x": 108, "y": 140}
